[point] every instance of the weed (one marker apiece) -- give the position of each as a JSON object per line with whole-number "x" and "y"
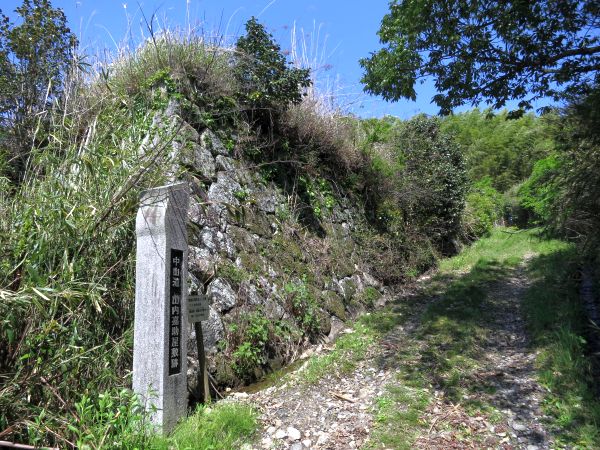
{"x": 350, "y": 348}
{"x": 251, "y": 352}
{"x": 557, "y": 325}
{"x": 222, "y": 426}
{"x": 232, "y": 273}
{"x": 110, "y": 420}
{"x": 303, "y": 303}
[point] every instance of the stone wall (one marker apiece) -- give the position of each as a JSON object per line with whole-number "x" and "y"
{"x": 278, "y": 275}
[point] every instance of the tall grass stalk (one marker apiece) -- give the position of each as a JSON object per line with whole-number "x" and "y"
{"x": 67, "y": 234}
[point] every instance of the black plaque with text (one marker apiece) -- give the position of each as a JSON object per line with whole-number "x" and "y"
{"x": 175, "y": 280}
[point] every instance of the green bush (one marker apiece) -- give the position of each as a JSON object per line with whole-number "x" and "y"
{"x": 261, "y": 69}
{"x": 303, "y": 303}
{"x": 250, "y": 354}
{"x": 432, "y": 185}
{"x": 539, "y": 192}
{"x": 484, "y": 206}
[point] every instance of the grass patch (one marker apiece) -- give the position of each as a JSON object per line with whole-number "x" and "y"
{"x": 398, "y": 418}
{"x": 559, "y": 328}
{"x": 221, "y": 426}
{"x": 350, "y": 348}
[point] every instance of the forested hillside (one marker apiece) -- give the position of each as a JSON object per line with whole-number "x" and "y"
{"x": 304, "y": 219}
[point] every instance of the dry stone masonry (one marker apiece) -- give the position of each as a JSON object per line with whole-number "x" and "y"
{"x": 254, "y": 257}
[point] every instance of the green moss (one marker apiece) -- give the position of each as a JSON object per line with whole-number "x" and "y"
{"x": 252, "y": 263}
{"x": 242, "y": 239}
{"x": 350, "y": 289}
{"x": 287, "y": 257}
{"x": 369, "y": 296}
{"x": 232, "y": 273}
{"x": 255, "y": 221}
{"x": 334, "y": 304}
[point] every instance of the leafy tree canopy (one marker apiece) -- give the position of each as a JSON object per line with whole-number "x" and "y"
{"x": 493, "y": 51}
{"x": 35, "y": 57}
{"x": 504, "y": 150}
{"x": 263, "y": 70}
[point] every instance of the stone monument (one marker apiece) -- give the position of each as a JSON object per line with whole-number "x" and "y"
{"x": 161, "y": 326}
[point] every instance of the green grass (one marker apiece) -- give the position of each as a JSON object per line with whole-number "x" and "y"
{"x": 350, "y": 348}
{"x": 222, "y": 426}
{"x": 558, "y": 327}
{"x": 445, "y": 350}
{"x": 398, "y": 417}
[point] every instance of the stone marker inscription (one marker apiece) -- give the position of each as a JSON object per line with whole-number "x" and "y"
{"x": 160, "y": 330}
{"x": 175, "y": 312}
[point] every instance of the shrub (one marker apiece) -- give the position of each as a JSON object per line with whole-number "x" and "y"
{"x": 539, "y": 192}
{"x": 432, "y": 185}
{"x": 484, "y": 206}
{"x": 262, "y": 71}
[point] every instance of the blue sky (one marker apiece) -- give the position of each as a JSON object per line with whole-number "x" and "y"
{"x": 337, "y": 33}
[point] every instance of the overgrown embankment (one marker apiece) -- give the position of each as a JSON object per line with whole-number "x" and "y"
{"x": 297, "y": 224}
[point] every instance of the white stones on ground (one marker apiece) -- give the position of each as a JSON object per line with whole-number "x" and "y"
{"x": 519, "y": 426}
{"x": 324, "y": 437}
{"x": 294, "y": 434}
{"x": 220, "y": 295}
{"x": 296, "y": 446}
{"x": 280, "y": 434}
{"x": 307, "y": 443}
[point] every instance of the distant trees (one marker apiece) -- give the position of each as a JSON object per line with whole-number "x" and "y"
{"x": 493, "y": 51}
{"x": 35, "y": 57}
{"x": 504, "y": 150}
{"x": 572, "y": 188}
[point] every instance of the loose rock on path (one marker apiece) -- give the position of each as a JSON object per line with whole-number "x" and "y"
{"x": 336, "y": 412}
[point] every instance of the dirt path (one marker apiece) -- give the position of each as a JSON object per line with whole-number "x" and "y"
{"x": 506, "y": 375}
{"x": 336, "y": 412}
